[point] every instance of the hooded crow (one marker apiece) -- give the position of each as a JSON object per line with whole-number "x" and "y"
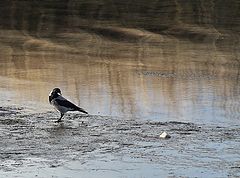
{"x": 61, "y": 104}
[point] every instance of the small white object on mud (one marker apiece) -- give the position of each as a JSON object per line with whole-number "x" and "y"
{"x": 164, "y": 135}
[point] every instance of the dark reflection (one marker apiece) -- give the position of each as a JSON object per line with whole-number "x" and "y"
{"x": 151, "y": 15}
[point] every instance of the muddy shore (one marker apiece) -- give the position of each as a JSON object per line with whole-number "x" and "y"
{"x": 33, "y": 145}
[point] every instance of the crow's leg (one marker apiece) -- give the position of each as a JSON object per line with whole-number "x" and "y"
{"x": 59, "y": 120}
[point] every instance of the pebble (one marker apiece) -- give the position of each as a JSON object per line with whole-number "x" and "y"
{"x": 164, "y": 135}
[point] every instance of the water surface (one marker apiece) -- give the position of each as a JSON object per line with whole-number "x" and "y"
{"x": 159, "y": 77}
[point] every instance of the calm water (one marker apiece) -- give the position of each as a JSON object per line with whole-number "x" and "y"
{"x": 157, "y": 78}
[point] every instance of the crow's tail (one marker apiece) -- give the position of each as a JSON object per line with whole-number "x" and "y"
{"x": 82, "y": 110}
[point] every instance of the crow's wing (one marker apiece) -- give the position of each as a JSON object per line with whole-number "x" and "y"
{"x": 65, "y": 103}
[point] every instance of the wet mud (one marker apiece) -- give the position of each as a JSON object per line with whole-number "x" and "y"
{"x": 34, "y": 145}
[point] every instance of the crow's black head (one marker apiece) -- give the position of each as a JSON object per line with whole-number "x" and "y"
{"x": 57, "y": 91}
{"x": 54, "y": 94}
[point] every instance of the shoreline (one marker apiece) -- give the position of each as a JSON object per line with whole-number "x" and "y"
{"x": 107, "y": 146}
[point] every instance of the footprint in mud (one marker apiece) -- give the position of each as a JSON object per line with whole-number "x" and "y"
{"x": 12, "y": 121}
